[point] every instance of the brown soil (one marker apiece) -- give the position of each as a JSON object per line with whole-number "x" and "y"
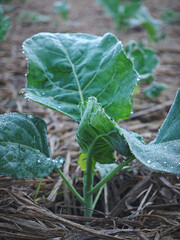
{"x": 136, "y": 204}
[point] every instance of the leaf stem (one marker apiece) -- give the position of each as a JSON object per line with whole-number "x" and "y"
{"x": 97, "y": 197}
{"x": 72, "y": 189}
{"x": 37, "y": 191}
{"x": 111, "y": 174}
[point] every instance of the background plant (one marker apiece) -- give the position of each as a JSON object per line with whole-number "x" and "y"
{"x": 62, "y": 8}
{"x": 5, "y": 24}
{"x": 89, "y": 79}
{"x": 33, "y": 17}
{"x": 130, "y": 14}
{"x": 170, "y": 16}
{"x": 145, "y": 62}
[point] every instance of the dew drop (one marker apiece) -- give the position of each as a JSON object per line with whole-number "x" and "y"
{"x": 39, "y": 161}
{"x": 165, "y": 162}
{"x": 30, "y": 116}
{"x": 148, "y": 161}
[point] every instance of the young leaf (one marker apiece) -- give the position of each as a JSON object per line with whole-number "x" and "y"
{"x": 162, "y": 154}
{"x": 24, "y": 151}
{"x": 97, "y": 130}
{"x": 83, "y": 160}
{"x": 66, "y": 69}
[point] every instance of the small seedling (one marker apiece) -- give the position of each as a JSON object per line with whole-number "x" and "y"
{"x": 62, "y": 8}
{"x": 5, "y": 24}
{"x": 33, "y": 17}
{"x": 91, "y": 80}
{"x": 131, "y": 14}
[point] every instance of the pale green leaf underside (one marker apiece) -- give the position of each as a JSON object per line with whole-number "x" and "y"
{"x": 97, "y": 130}
{"x": 105, "y": 169}
{"x": 24, "y": 151}
{"x": 66, "y": 69}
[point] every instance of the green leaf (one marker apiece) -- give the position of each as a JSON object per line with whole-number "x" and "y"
{"x": 145, "y": 60}
{"x": 99, "y": 131}
{"x": 170, "y": 130}
{"x": 5, "y": 24}
{"x": 62, "y": 8}
{"x": 154, "y": 90}
{"x": 66, "y": 69}
{"x": 162, "y": 154}
{"x": 24, "y": 151}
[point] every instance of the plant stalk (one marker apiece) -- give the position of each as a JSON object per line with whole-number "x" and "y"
{"x": 111, "y": 174}
{"x": 72, "y": 189}
{"x": 88, "y": 185}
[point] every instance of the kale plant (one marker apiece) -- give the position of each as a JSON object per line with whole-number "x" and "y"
{"x": 91, "y": 80}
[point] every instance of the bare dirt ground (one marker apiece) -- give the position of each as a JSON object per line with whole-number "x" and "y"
{"x": 137, "y": 204}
